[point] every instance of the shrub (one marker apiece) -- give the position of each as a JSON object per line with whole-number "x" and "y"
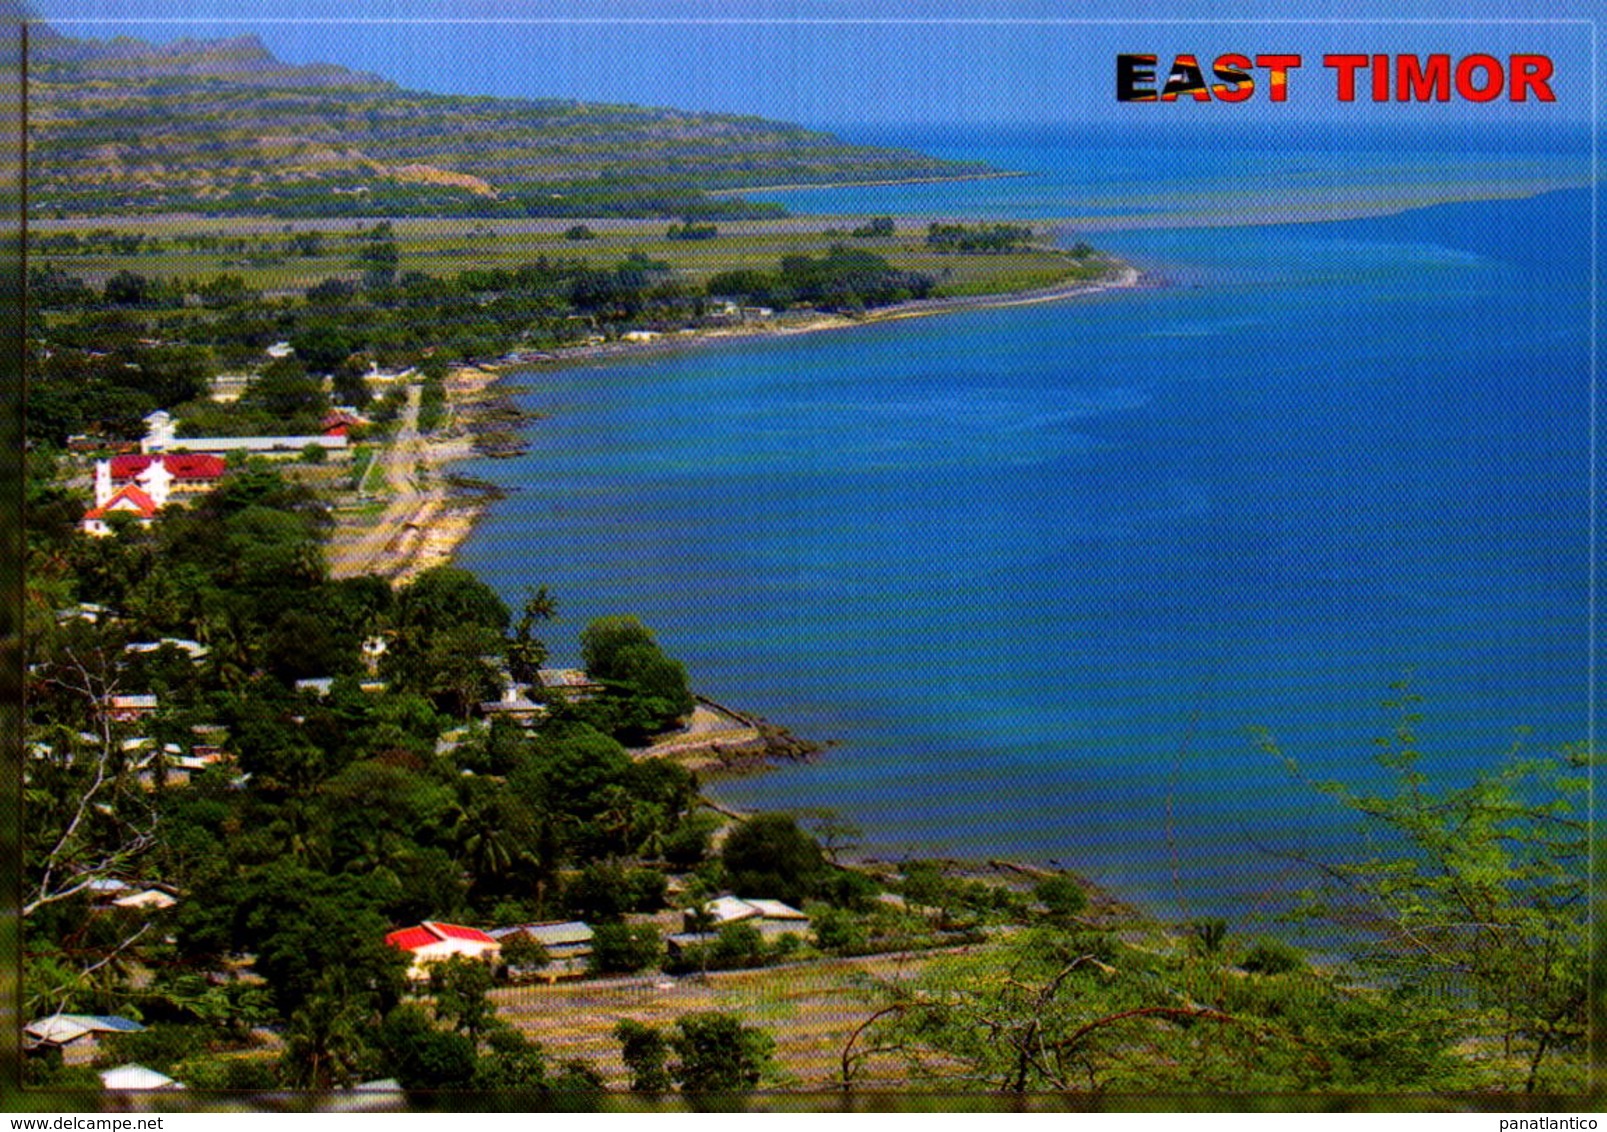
{"x": 1273, "y": 957}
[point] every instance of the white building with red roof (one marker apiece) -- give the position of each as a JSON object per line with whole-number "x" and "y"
{"x": 143, "y": 485}
{"x": 125, "y": 500}
{"x": 185, "y": 471}
{"x": 433, "y": 942}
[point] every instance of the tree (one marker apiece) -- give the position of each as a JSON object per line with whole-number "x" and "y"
{"x": 460, "y": 985}
{"x": 835, "y": 833}
{"x": 655, "y": 685}
{"x": 622, "y": 949}
{"x": 925, "y": 886}
{"x": 839, "y": 931}
{"x": 322, "y": 347}
{"x": 307, "y": 929}
{"x": 84, "y": 819}
{"x": 526, "y": 653}
{"x": 645, "y": 1052}
{"x": 523, "y": 952}
{"x": 1053, "y": 1010}
{"x": 285, "y": 391}
{"x": 688, "y": 844}
{"x": 738, "y": 945}
{"x": 510, "y": 1062}
{"x": 421, "y": 1057}
{"x": 225, "y": 290}
{"x": 1481, "y": 890}
{"x": 443, "y": 597}
{"x": 128, "y": 289}
{"x": 602, "y": 641}
{"x": 769, "y": 856}
{"x": 324, "y": 1046}
{"x": 718, "y": 1055}
{"x": 1061, "y": 894}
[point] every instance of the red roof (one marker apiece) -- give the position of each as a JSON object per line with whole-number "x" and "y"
{"x": 144, "y": 506}
{"x": 432, "y": 931}
{"x": 180, "y": 465}
{"x": 409, "y": 939}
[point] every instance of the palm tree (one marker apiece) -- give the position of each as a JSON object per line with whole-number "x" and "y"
{"x": 700, "y": 918}
{"x": 526, "y": 654}
{"x": 616, "y": 817}
{"x": 652, "y": 830}
{"x": 324, "y": 1046}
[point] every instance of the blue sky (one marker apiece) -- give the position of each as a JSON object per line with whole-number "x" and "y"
{"x": 835, "y": 62}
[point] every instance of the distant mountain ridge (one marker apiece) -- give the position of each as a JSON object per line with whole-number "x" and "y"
{"x": 243, "y": 59}
{"x": 223, "y": 126}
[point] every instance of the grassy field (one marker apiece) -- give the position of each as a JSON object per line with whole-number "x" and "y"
{"x": 446, "y": 247}
{"x": 810, "y": 1009}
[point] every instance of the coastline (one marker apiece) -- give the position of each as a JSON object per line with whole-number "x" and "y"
{"x": 430, "y": 517}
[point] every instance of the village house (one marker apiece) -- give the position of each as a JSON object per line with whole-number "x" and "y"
{"x": 147, "y": 899}
{"x": 568, "y": 945}
{"x": 433, "y": 942}
{"x": 187, "y": 473}
{"x": 228, "y": 388}
{"x": 571, "y": 683}
{"x": 515, "y": 705}
{"x": 130, "y": 708}
{"x": 169, "y": 767}
{"x": 161, "y": 437}
{"x": 770, "y": 918}
{"x": 195, "y": 650}
{"x": 77, "y": 1036}
{"x": 131, "y": 1078}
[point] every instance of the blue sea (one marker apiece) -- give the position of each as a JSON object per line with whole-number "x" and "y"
{"x": 1042, "y": 570}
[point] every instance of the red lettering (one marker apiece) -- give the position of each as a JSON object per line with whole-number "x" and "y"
{"x": 1416, "y": 83}
{"x": 1236, "y": 84}
{"x": 1493, "y": 78}
{"x": 1346, "y": 66}
{"x": 1380, "y": 78}
{"x": 1531, "y": 72}
{"x": 1278, "y": 80}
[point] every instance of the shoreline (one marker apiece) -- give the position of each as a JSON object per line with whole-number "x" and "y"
{"x": 424, "y": 526}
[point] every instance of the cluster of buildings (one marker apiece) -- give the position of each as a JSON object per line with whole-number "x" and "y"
{"x": 568, "y": 944}
{"x": 167, "y": 469}
{"x": 79, "y": 1038}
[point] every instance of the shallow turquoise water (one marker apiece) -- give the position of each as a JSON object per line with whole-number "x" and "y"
{"x": 1040, "y": 569}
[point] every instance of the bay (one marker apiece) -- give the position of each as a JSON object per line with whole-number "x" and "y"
{"x": 1040, "y": 570}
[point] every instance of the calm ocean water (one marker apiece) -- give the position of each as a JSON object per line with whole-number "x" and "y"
{"x": 1041, "y": 569}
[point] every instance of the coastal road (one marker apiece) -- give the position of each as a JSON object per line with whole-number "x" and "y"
{"x": 376, "y": 549}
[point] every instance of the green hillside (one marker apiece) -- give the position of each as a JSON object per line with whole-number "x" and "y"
{"x": 223, "y": 127}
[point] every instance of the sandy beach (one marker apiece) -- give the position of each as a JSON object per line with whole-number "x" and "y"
{"x": 426, "y": 519}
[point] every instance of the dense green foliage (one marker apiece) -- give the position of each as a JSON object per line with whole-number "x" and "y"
{"x": 768, "y": 856}
{"x": 717, "y": 1054}
{"x": 101, "y": 358}
{"x": 336, "y": 816}
{"x": 994, "y": 238}
{"x": 1478, "y": 895}
{"x": 844, "y": 278}
{"x": 645, "y": 1053}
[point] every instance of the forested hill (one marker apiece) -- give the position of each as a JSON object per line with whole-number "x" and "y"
{"x": 222, "y": 126}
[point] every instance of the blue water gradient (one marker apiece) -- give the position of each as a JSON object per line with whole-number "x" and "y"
{"x": 1041, "y": 569}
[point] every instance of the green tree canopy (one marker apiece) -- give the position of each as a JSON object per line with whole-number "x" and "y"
{"x": 717, "y": 1054}
{"x": 768, "y": 856}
